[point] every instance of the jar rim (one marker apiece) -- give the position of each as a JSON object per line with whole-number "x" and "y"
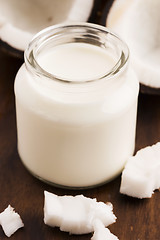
{"x": 52, "y": 31}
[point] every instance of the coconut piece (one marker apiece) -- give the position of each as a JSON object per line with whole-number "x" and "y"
{"x": 20, "y": 20}
{"x": 102, "y": 233}
{"x": 141, "y": 175}
{"x": 76, "y": 215}
{"x": 10, "y": 221}
{"x": 137, "y": 22}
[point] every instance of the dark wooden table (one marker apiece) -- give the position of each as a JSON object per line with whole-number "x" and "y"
{"x": 137, "y": 219}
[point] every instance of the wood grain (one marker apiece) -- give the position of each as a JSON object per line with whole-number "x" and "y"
{"x": 136, "y": 219}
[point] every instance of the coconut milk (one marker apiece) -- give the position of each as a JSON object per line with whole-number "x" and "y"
{"x": 75, "y": 133}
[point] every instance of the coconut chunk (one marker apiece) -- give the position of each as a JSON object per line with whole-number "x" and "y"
{"x": 141, "y": 175}
{"x": 21, "y": 20}
{"x": 101, "y": 232}
{"x": 76, "y": 215}
{"x": 137, "y": 22}
{"x": 10, "y": 221}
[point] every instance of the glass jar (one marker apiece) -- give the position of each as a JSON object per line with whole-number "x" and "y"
{"x": 76, "y": 105}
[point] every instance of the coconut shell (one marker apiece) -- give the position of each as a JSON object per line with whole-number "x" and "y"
{"x": 149, "y": 90}
{"x": 103, "y": 20}
{"x": 7, "y": 49}
{"x": 95, "y": 17}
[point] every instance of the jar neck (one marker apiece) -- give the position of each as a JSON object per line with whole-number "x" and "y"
{"x": 88, "y": 33}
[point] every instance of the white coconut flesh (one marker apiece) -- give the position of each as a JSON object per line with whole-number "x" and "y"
{"x": 20, "y": 20}
{"x": 10, "y": 221}
{"x": 138, "y": 23}
{"x": 101, "y": 232}
{"x": 76, "y": 215}
{"x": 140, "y": 176}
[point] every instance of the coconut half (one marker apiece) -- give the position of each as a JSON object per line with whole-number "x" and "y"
{"x": 138, "y": 23}
{"x": 20, "y": 20}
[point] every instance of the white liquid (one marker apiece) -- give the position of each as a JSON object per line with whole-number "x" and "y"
{"x": 75, "y": 139}
{"x": 78, "y": 63}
